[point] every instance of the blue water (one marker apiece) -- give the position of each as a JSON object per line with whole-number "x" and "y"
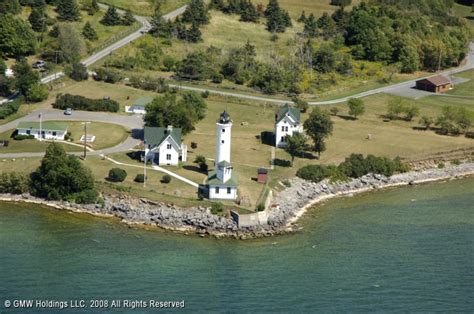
{"x": 402, "y": 250}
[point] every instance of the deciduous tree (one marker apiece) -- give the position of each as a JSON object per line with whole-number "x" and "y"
{"x": 318, "y": 127}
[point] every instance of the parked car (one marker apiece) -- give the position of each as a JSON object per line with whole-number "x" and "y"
{"x": 68, "y": 112}
{"x": 39, "y": 64}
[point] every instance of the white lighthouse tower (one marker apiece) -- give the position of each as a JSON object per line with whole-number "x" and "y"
{"x": 222, "y": 184}
{"x": 224, "y": 129}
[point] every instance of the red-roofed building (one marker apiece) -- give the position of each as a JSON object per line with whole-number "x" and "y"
{"x": 435, "y": 84}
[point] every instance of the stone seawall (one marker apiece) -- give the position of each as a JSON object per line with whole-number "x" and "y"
{"x": 288, "y": 205}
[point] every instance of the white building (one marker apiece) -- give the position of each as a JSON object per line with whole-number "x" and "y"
{"x": 287, "y": 121}
{"x": 139, "y": 105}
{"x": 46, "y": 130}
{"x": 222, "y": 183}
{"x": 163, "y": 146}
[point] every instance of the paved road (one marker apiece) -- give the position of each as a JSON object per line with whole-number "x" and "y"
{"x": 124, "y": 41}
{"x": 469, "y": 64}
{"x": 134, "y": 123}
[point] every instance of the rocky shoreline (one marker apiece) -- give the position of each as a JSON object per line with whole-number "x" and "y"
{"x": 288, "y": 205}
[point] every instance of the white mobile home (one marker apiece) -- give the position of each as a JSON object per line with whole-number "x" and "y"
{"x": 46, "y": 130}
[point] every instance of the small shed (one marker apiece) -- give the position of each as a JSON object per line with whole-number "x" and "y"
{"x": 434, "y": 84}
{"x": 262, "y": 175}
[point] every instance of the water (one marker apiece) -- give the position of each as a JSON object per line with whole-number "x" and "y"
{"x": 408, "y": 249}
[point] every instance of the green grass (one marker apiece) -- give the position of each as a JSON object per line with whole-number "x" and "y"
{"x": 466, "y": 88}
{"x": 145, "y": 7}
{"x": 29, "y": 146}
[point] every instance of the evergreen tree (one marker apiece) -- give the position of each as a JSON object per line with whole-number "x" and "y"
{"x": 342, "y": 3}
{"x": 302, "y": 18}
{"x": 277, "y": 19}
{"x": 94, "y": 7}
{"x": 38, "y": 4}
{"x": 160, "y": 27}
{"x": 10, "y": 6}
{"x": 68, "y": 10}
{"x": 249, "y": 12}
{"x": 54, "y": 32}
{"x": 25, "y": 77}
{"x": 311, "y": 26}
{"x": 111, "y": 17}
{"x": 217, "y": 5}
{"x": 327, "y": 25}
{"x": 197, "y": 13}
{"x": 128, "y": 18}
{"x": 194, "y": 35}
{"x": 89, "y": 32}
{"x": 37, "y": 20}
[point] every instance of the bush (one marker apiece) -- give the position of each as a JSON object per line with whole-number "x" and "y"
{"x": 356, "y": 165}
{"x": 140, "y": 178}
{"x": 287, "y": 183}
{"x": 107, "y": 76}
{"x": 117, "y": 175}
{"x": 9, "y": 108}
{"x": 14, "y": 183}
{"x": 79, "y": 72}
{"x": 205, "y": 94}
{"x": 216, "y": 208}
{"x": 166, "y": 179}
{"x": 37, "y": 93}
{"x": 86, "y": 197}
{"x": 82, "y": 103}
{"x": 441, "y": 165}
{"x": 260, "y": 207}
{"x": 315, "y": 173}
{"x": 21, "y": 137}
{"x": 456, "y": 162}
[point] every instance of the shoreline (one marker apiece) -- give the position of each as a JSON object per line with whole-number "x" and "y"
{"x": 289, "y": 205}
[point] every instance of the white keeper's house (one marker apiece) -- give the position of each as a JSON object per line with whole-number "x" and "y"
{"x": 163, "y": 146}
{"x": 287, "y": 121}
{"x": 48, "y": 130}
{"x": 221, "y": 182}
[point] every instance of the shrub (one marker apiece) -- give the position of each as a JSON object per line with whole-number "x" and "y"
{"x": 14, "y": 183}
{"x": 21, "y": 137}
{"x": 356, "y": 166}
{"x": 456, "y": 162}
{"x": 79, "y": 72}
{"x": 107, "y": 76}
{"x": 140, "y": 178}
{"x": 166, "y": 179}
{"x": 287, "y": 183}
{"x": 441, "y": 165}
{"x": 9, "y": 108}
{"x": 37, "y": 93}
{"x": 205, "y": 94}
{"x": 117, "y": 175}
{"x": 86, "y": 197}
{"x": 216, "y": 208}
{"x": 82, "y": 103}
{"x": 315, "y": 173}
{"x": 260, "y": 207}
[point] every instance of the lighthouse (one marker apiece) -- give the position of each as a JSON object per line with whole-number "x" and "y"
{"x": 221, "y": 182}
{"x": 223, "y": 138}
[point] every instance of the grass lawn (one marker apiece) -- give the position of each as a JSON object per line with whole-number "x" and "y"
{"x": 145, "y": 7}
{"x": 29, "y": 146}
{"x": 466, "y": 88}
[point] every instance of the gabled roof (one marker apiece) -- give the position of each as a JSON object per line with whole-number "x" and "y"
{"x": 143, "y": 101}
{"x": 154, "y": 136}
{"x": 213, "y": 180}
{"x": 47, "y": 125}
{"x": 437, "y": 80}
{"x": 287, "y": 110}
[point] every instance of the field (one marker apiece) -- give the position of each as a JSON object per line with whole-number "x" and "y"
{"x": 145, "y": 7}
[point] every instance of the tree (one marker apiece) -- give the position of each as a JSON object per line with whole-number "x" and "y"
{"x": 311, "y": 26}
{"x": 410, "y": 112}
{"x": 94, "y": 7}
{"x": 79, "y": 72}
{"x": 249, "y": 12}
{"x": 10, "y": 6}
{"x": 394, "y": 108}
{"x": 37, "y": 20}
{"x": 25, "y": 77}
{"x": 37, "y": 93}
{"x": 301, "y": 104}
{"x": 454, "y": 120}
{"x": 295, "y": 145}
{"x": 277, "y": 19}
{"x": 68, "y": 10}
{"x": 197, "y": 13}
{"x": 71, "y": 43}
{"x": 318, "y": 127}
{"x": 195, "y": 66}
{"x": 193, "y": 35}
{"x": 324, "y": 60}
{"x": 128, "y": 18}
{"x": 409, "y": 59}
{"x": 89, "y": 32}
{"x": 117, "y": 175}
{"x": 61, "y": 176}
{"x": 356, "y": 107}
{"x": 342, "y": 3}
{"x": 302, "y": 18}
{"x": 111, "y": 17}
{"x": 159, "y": 26}
{"x": 16, "y": 36}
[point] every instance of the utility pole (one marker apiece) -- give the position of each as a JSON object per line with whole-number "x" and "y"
{"x": 144, "y": 164}
{"x": 85, "y": 138}
{"x": 40, "y": 116}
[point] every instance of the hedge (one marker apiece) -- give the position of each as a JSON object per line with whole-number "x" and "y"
{"x": 82, "y": 103}
{"x": 9, "y": 108}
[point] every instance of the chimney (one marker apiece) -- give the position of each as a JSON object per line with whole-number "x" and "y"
{"x": 169, "y": 129}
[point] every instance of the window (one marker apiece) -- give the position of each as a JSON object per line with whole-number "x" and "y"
{"x": 28, "y": 132}
{"x": 168, "y": 156}
{"x": 223, "y": 130}
{"x": 222, "y": 141}
{"x": 286, "y": 129}
{"x": 282, "y": 138}
{"x": 168, "y": 146}
{"x": 217, "y": 190}
{"x": 229, "y": 190}
{"x": 283, "y": 128}
{"x": 54, "y": 133}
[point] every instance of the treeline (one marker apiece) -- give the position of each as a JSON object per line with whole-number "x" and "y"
{"x": 77, "y": 102}
{"x": 354, "y": 166}
{"x": 59, "y": 177}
